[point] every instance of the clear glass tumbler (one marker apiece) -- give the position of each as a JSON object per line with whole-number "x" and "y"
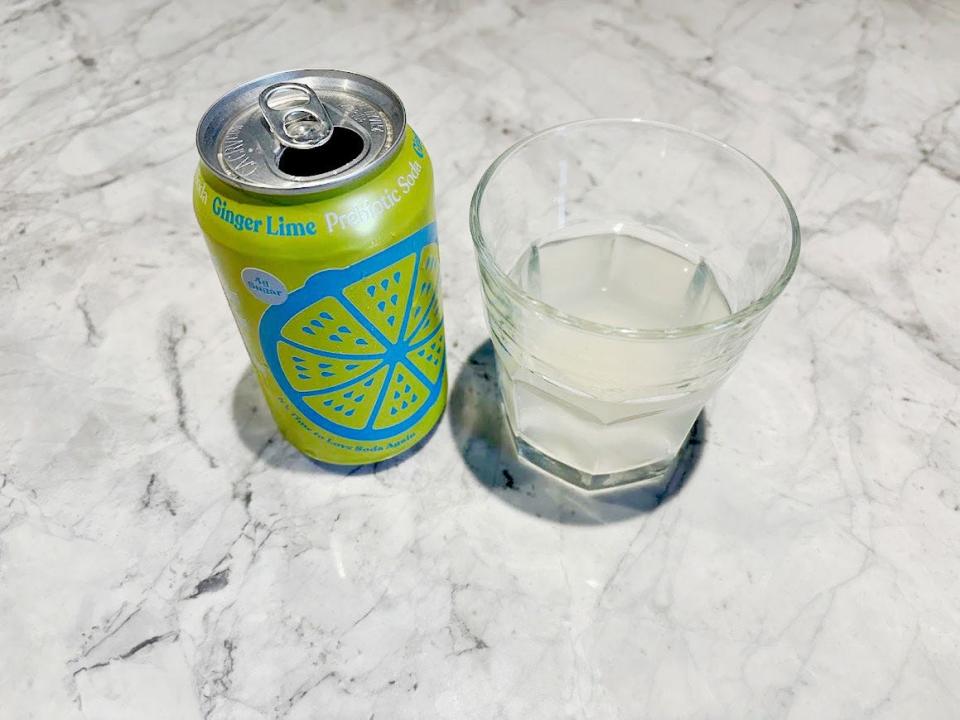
{"x": 625, "y": 266}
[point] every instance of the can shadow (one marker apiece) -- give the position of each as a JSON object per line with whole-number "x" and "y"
{"x": 482, "y": 437}
{"x": 258, "y": 431}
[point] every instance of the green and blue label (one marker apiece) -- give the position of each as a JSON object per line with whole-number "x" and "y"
{"x": 359, "y": 351}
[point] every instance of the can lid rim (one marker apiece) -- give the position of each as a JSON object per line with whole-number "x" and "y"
{"x": 214, "y": 121}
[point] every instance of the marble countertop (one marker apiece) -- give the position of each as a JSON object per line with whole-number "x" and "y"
{"x": 165, "y": 555}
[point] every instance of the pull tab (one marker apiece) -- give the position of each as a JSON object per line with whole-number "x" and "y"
{"x": 295, "y": 115}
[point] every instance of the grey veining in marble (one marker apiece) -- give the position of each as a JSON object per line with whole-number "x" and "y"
{"x": 164, "y": 555}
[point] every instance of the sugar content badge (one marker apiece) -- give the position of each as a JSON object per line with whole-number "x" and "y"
{"x": 264, "y": 286}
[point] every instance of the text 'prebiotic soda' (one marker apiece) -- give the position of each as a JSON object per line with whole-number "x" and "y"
{"x": 316, "y": 201}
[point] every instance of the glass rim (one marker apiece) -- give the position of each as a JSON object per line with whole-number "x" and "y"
{"x": 753, "y": 308}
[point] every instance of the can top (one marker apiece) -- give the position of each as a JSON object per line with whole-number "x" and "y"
{"x": 301, "y": 131}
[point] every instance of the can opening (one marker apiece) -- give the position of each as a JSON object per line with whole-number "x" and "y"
{"x": 342, "y": 148}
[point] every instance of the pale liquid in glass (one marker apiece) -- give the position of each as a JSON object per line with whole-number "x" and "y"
{"x": 600, "y": 405}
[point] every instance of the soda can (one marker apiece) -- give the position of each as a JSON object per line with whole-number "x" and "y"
{"x": 316, "y": 201}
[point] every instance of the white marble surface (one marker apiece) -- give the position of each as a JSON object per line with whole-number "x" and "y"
{"x": 163, "y": 555}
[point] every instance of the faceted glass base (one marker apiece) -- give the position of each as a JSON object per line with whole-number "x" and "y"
{"x": 653, "y": 473}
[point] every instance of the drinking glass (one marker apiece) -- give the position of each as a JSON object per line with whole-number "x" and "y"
{"x": 625, "y": 265}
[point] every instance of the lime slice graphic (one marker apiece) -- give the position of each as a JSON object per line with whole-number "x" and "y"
{"x": 381, "y": 296}
{"x": 351, "y": 407}
{"x": 427, "y": 357}
{"x": 307, "y": 372}
{"x": 359, "y": 351}
{"x": 328, "y": 325}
